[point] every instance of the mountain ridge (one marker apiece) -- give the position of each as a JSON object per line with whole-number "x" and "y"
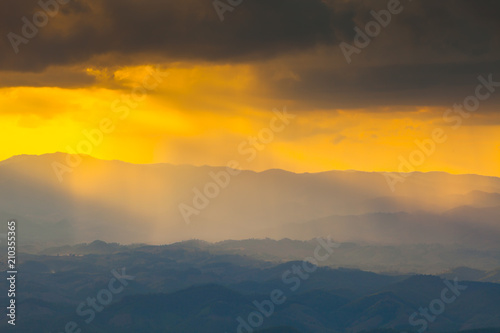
{"x": 87, "y": 156}
{"x": 144, "y": 203}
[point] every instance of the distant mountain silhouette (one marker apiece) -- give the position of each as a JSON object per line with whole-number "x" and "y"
{"x": 183, "y": 290}
{"x": 127, "y": 203}
{"x": 444, "y": 260}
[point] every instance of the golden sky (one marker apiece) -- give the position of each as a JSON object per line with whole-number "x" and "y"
{"x": 201, "y": 113}
{"x": 218, "y": 82}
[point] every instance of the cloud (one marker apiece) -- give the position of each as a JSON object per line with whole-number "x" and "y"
{"x": 429, "y": 55}
{"x": 339, "y": 139}
{"x": 331, "y": 87}
{"x": 60, "y": 76}
{"x": 187, "y": 29}
{"x": 190, "y": 30}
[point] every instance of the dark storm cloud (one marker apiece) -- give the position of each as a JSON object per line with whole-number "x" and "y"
{"x": 430, "y": 54}
{"x": 53, "y": 77}
{"x": 254, "y": 30}
{"x": 181, "y": 29}
{"x": 397, "y": 85}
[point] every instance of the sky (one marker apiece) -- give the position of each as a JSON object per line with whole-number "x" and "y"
{"x": 170, "y": 82}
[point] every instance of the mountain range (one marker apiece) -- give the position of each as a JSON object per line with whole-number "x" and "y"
{"x": 184, "y": 289}
{"x": 127, "y": 203}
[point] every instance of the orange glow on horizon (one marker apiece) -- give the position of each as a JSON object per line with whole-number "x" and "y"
{"x": 200, "y": 114}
